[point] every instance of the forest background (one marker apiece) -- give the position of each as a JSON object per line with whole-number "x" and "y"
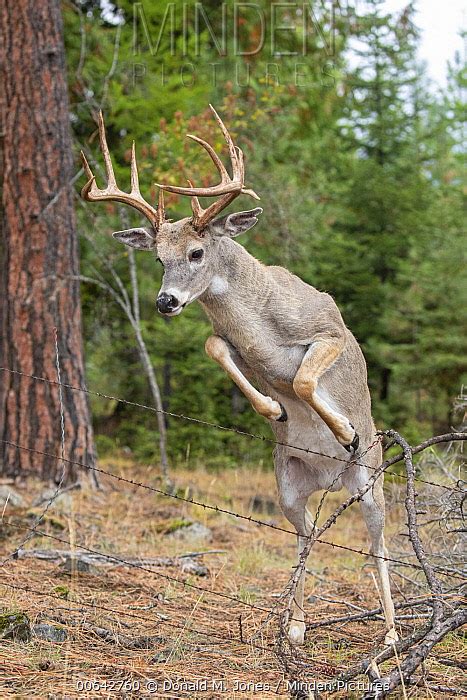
{"x": 358, "y": 162}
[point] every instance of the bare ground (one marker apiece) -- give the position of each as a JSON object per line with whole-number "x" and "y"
{"x": 127, "y": 628}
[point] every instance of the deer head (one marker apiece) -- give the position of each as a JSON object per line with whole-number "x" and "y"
{"x": 189, "y": 249}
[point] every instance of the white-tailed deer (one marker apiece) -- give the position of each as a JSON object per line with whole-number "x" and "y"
{"x": 281, "y": 341}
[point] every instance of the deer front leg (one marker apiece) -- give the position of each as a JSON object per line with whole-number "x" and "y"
{"x": 318, "y": 358}
{"x": 220, "y": 352}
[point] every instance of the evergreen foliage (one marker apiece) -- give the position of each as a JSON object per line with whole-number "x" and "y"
{"x": 360, "y": 175}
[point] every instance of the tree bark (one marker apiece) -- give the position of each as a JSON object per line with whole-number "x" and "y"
{"x": 39, "y": 251}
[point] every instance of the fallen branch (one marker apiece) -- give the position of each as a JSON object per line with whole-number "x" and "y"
{"x": 447, "y": 437}
{"x": 384, "y": 654}
{"x": 122, "y": 640}
{"x": 440, "y": 624}
{"x": 433, "y": 581}
{"x": 86, "y": 561}
{"x": 452, "y": 662}
{"x": 417, "y": 655}
{"x": 144, "y": 641}
{"x": 367, "y": 615}
{"x": 446, "y": 689}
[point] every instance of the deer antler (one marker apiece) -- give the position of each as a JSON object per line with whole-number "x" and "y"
{"x": 92, "y": 193}
{"x": 227, "y": 190}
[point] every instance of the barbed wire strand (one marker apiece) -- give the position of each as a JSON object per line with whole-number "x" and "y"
{"x": 134, "y": 565}
{"x": 218, "y": 426}
{"x": 146, "y": 569}
{"x": 335, "y": 480}
{"x": 218, "y": 509}
{"x": 159, "y": 620}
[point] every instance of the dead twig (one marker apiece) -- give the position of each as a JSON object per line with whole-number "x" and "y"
{"x": 419, "y": 653}
{"x": 440, "y": 623}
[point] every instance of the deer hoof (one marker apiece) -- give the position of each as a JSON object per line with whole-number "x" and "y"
{"x": 353, "y": 447}
{"x": 297, "y": 633}
{"x": 391, "y": 637}
{"x": 283, "y": 416}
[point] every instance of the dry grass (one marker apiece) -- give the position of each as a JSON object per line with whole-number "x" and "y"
{"x": 198, "y": 634}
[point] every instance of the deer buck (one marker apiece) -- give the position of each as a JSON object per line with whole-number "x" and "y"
{"x": 282, "y": 342}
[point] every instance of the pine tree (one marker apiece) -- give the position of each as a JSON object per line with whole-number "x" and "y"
{"x": 39, "y": 289}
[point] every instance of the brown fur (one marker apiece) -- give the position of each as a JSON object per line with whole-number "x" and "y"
{"x": 274, "y": 331}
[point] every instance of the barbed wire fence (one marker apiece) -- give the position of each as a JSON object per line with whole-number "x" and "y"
{"x": 443, "y": 599}
{"x": 442, "y": 605}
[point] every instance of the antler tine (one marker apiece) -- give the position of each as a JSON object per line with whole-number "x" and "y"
{"x": 215, "y": 158}
{"x": 199, "y": 213}
{"x": 134, "y": 172}
{"x": 112, "y": 192}
{"x": 195, "y": 205}
{"x": 86, "y": 166}
{"x": 160, "y": 209}
{"x": 230, "y": 144}
{"x": 201, "y": 216}
{"x": 251, "y": 193}
{"x": 228, "y": 184}
{"x": 241, "y": 160}
{"x": 226, "y": 190}
{"x": 241, "y": 163}
{"x": 111, "y": 182}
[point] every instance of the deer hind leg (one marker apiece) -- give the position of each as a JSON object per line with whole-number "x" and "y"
{"x": 318, "y": 358}
{"x": 295, "y": 485}
{"x": 373, "y": 513}
{"x": 221, "y": 352}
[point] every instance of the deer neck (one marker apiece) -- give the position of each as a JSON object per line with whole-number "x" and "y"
{"x": 240, "y": 283}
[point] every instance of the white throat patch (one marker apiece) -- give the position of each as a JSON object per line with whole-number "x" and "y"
{"x": 218, "y": 285}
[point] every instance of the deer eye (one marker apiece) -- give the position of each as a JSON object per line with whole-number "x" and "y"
{"x": 196, "y": 254}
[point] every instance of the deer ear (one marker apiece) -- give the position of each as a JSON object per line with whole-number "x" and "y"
{"x": 234, "y": 224}
{"x": 140, "y": 238}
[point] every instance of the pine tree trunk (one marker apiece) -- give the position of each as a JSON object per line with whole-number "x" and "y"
{"x": 39, "y": 251}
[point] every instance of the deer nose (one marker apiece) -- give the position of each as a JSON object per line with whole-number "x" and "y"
{"x": 166, "y": 303}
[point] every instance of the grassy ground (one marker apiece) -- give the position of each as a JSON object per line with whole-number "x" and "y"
{"x": 193, "y": 635}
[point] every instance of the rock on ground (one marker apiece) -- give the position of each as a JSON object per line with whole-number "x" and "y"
{"x": 50, "y": 633}
{"x": 14, "y": 499}
{"x": 196, "y": 532}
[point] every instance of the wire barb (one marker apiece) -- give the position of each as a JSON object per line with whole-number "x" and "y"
{"x": 222, "y": 510}
{"x": 392, "y": 460}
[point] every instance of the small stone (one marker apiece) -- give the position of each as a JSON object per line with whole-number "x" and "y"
{"x": 79, "y": 566}
{"x": 15, "y": 626}
{"x": 191, "y": 533}
{"x": 162, "y": 656}
{"x": 13, "y": 497}
{"x": 259, "y": 504}
{"x": 50, "y": 633}
{"x": 340, "y": 643}
{"x": 189, "y": 565}
{"x": 62, "y": 501}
